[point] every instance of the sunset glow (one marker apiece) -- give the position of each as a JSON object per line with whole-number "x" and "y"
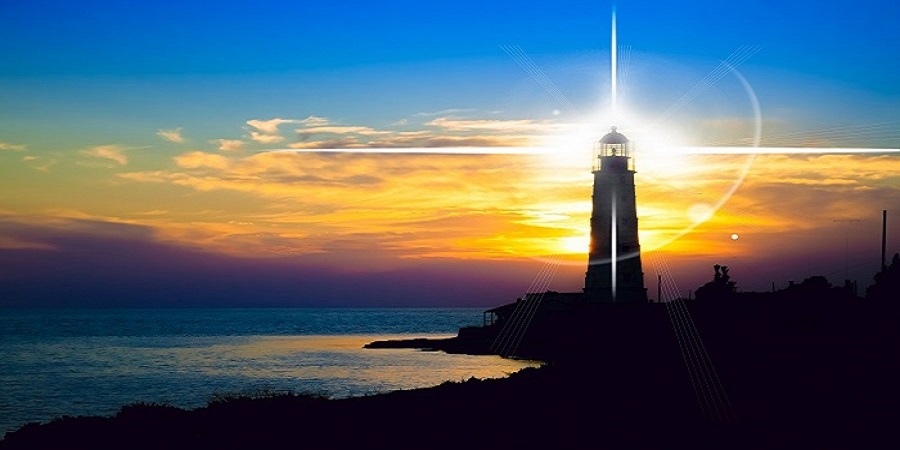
{"x": 442, "y": 160}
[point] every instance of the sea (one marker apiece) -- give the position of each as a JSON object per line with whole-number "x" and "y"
{"x": 72, "y": 362}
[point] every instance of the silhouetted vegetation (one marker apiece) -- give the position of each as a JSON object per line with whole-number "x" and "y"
{"x": 887, "y": 283}
{"x": 721, "y": 287}
{"x": 811, "y": 365}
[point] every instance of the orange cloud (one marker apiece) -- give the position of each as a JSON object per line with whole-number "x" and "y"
{"x": 349, "y": 142}
{"x": 195, "y": 160}
{"x": 269, "y": 126}
{"x": 12, "y": 147}
{"x": 336, "y": 129}
{"x": 112, "y": 153}
{"x": 229, "y": 145}
{"x": 266, "y": 138}
{"x": 388, "y": 209}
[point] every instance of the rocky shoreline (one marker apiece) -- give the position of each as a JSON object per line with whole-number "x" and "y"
{"x": 801, "y": 369}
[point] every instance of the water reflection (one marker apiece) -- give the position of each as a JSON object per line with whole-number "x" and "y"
{"x": 99, "y": 374}
{"x": 336, "y": 365}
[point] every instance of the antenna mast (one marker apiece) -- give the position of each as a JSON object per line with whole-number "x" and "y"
{"x": 846, "y": 243}
{"x": 883, "y": 239}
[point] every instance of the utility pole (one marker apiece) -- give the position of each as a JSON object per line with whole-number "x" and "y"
{"x": 846, "y": 243}
{"x": 658, "y": 288}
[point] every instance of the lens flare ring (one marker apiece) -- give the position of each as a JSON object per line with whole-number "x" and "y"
{"x": 708, "y": 210}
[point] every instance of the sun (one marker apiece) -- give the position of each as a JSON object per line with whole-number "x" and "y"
{"x": 574, "y": 244}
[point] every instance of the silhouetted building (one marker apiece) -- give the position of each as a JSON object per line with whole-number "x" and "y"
{"x": 614, "y": 272}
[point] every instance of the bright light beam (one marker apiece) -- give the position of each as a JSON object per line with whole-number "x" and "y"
{"x": 682, "y": 150}
{"x": 612, "y": 68}
{"x": 699, "y": 150}
{"x": 527, "y": 64}
{"x": 426, "y": 150}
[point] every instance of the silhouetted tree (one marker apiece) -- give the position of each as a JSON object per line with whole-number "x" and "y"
{"x": 887, "y": 282}
{"x": 720, "y": 287}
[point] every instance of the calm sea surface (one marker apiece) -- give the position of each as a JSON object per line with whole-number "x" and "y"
{"x": 91, "y": 362}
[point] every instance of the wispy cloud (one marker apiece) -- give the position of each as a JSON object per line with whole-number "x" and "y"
{"x": 314, "y": 121}
{"x": 269, "y": 126}
{"x": 444, "y": 112}
{"x": 401, "y": 206}
{"x": 173, "y": 135}
{"x": 316, "y": 132}
{"x": 348, "y": 142}
{"x": 156, "y": 176}
{"x": 401, "y": 209}
{"x": 266, "y": 131}
{"x": 264, "y": 138}
{"x": 42, "y": 164}
{"x": 339, "y": 129}
{"x": 112, "y": 153}
{"x": 494, "y": 125}
{"x": 195, "y": 160}
{"x": 229, "y": 145}
{"x": 12, "y": 147}
{"x": 386, "y": 204}
{"x": 439, "y": 141}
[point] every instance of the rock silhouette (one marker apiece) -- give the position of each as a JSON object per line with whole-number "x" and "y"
{"x": 811, "y": 365}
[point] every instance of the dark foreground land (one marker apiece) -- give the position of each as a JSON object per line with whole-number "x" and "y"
{"x": 797, "y": 371}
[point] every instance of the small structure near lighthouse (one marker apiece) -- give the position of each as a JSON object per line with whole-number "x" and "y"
{"x": 614, "y": 272}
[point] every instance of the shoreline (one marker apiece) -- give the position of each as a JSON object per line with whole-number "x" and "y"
{"x": 99, "y": 375}
{"x": 791, "y": 370}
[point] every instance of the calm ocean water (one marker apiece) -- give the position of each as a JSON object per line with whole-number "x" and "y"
{"x": 91, "y": 362}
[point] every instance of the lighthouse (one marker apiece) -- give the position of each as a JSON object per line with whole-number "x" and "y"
{"x": 614, "y": 273}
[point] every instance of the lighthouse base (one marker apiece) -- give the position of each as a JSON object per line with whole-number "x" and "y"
{"x": 623, "y": 295}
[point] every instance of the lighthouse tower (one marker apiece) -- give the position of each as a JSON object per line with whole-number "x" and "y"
{"x": 614, "y": 271}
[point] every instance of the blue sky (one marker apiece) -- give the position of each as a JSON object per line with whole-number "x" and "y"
{"x": 126, "y": 38}
{"x": 210, "y": 66}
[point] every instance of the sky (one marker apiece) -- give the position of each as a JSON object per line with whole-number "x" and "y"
{"x": 158, "y": 154}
